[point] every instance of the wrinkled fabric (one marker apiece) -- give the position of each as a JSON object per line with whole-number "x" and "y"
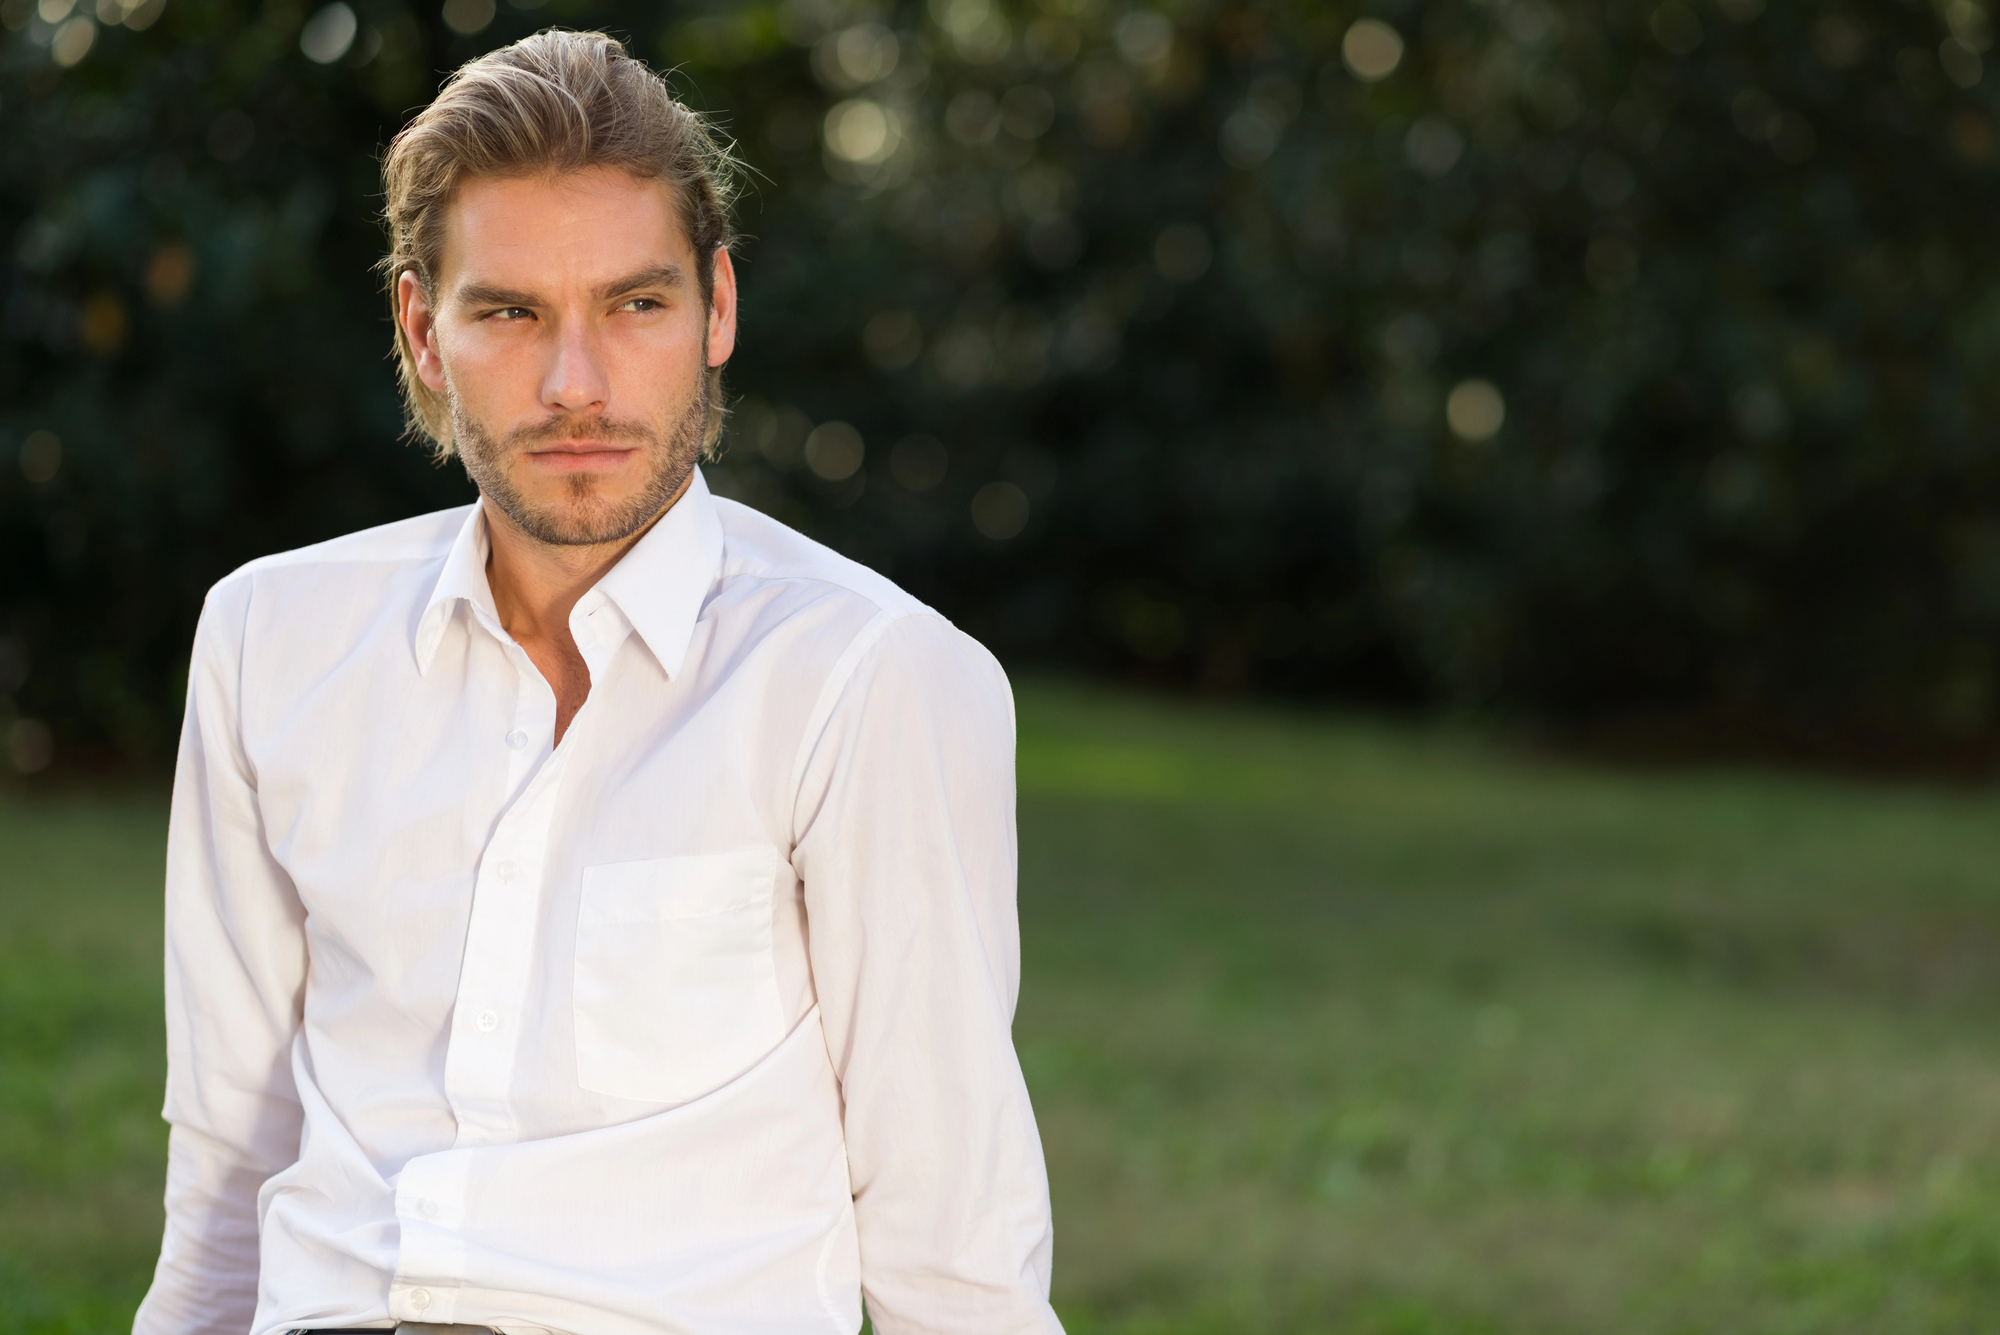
{"x": 696, "y": 1022}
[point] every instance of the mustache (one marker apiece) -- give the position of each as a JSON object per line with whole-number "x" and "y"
{"x": 572, "y": 427}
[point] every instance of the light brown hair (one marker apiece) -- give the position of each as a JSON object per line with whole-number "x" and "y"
{"x": 556, "y": 102}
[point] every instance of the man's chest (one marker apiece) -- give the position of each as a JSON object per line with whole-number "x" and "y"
{"x": 612, "y": 916}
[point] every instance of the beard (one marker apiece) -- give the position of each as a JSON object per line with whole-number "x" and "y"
{"x": 584, "y": 517}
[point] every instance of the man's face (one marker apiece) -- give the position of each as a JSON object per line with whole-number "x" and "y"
{"x": 569, "y": 336}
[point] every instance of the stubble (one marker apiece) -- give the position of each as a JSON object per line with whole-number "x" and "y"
{"x": 584, "y": 516}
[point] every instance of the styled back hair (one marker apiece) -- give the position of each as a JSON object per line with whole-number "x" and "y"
{"x": 553, "y": 103}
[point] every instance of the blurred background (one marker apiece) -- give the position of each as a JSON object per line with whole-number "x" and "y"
{"x": 1364, "y": 429}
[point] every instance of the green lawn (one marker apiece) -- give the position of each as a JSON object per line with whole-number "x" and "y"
{"x": 1332, "y": 1027}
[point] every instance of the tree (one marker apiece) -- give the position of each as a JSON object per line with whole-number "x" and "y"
{"x": 1559, "y": 358}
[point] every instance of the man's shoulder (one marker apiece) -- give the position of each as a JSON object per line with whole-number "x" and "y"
{"x": 757, "y": 549}
{"x": 861, "y": 624}
{"x": 406, "y": 542}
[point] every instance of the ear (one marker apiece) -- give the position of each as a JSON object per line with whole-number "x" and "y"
{"x": 722, "y": 310}
{"x": 413, "y": 313}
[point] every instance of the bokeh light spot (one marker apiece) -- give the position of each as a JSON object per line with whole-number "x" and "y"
{"x": 103, "y": 324}
{"x": 1249, "y": 137}
{"x": 73, "y": 40}
{"x": 1675, "y": 27}
{"x": 866, "y": 52}
{"x": 328, "y": 34}
{"x": 170, "y": 274}
{"x": 1000, "y": 510}
{"x": 1433, "y": 145}
{"x": 862, "y": 131}
{"x": 1475, "y": 411}
{"x": 1961, "y": 63}
{"x": 892, "y": 339}
{"x": 1371, "y": 50}
{"x": 977, "y": 29}
{"x": 834, "y": 451}
{"x": 1145, "y": 37}
{"x": 466, "y": 17}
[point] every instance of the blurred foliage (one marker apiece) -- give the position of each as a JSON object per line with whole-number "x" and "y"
{"x": 1571, "y": 359}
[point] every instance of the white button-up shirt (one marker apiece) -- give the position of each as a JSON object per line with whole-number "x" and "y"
{"x": 696, "y": 1022}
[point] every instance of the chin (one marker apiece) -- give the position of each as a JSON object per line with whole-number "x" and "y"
{"x": 582, "y": 513}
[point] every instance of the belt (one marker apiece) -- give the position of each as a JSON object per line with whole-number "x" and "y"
{"x": 401, "y": 1328}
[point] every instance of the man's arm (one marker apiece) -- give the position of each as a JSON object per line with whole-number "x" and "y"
{"x": 905, "y": 827}
{"x": 235, "y": 969}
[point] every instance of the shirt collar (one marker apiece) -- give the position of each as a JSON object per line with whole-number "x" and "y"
{"x": 658, "y": 587}
{"x": 463, "y": 579}
{"x": 663, "y": 581}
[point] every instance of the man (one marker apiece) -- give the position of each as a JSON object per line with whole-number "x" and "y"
{"x": 590, "y": 911}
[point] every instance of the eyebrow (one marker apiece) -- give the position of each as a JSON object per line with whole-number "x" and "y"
{"x": 484, "y": 294}
{"x": 657, "y": 276}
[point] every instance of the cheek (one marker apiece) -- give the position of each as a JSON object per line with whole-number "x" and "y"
{"x": 481, "y": 364}
{"x": 657, "y": 363}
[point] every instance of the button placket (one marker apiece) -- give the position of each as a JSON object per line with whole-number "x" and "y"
{"x": 428, "y": 1302}
{"x": 500, "y": 930}
{"x": 499, "y": 953}
{"x": 430, "y": 1253}
{"x": 498, "y": 963}
{"x": 534, "y": 714}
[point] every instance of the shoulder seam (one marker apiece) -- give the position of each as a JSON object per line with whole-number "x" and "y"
{"x": 314, "y": 554}
{"x": 915, "y": 607}
{"x": 745, "y": 561}
{"x": 837, "y": 677}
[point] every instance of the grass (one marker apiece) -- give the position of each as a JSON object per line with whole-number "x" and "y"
{"x": 82, "y": 1060}
{"x": 1333, "y": 1028}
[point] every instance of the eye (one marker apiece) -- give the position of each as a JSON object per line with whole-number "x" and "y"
{"x": 640, "y": 305}
{"x": 512, "y": 313}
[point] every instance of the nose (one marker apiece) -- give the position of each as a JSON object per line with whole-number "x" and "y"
{"x": 575, "y": 380}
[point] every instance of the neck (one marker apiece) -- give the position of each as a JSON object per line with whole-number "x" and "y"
{"x": 537, "y": 584}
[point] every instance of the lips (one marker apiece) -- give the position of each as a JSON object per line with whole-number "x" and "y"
{"x": 581, "y": 456}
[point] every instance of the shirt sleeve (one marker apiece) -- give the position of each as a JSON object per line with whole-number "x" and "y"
{"x": 905, "y": 844}
{"x": 235, "y": 972}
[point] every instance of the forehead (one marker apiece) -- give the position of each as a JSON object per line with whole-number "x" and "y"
{"x": 548, "y": 231}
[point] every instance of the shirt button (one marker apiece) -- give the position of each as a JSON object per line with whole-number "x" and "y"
{"x": 517, "y": 739}
{"x": 427, "y": 1208}
{"x": 507, "y": 871}
{"x": 420, "y": 1298}
{"x": 488, "y": 1021}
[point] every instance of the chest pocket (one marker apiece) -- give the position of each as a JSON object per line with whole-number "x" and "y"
{"x": 676, "y": 992}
